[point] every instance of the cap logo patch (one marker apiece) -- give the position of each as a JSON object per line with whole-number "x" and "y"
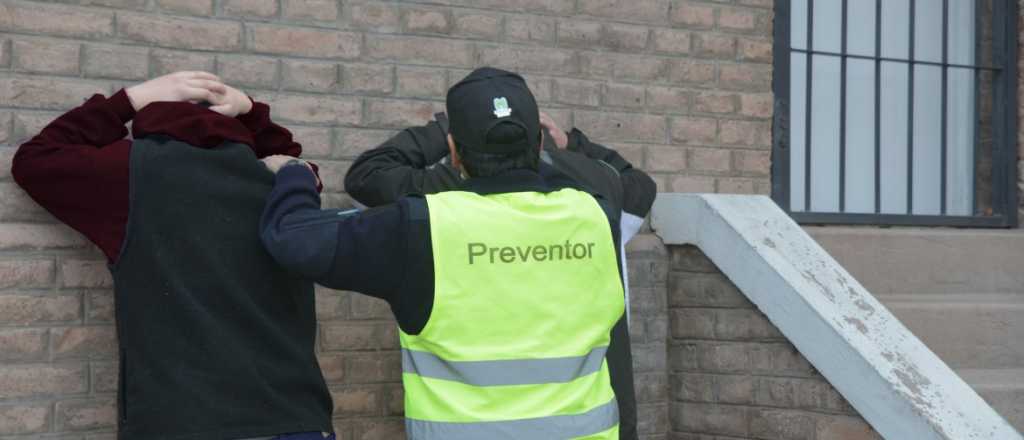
{"x": 501, "y": 108}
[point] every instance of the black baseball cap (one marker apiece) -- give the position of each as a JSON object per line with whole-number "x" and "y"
{"x": 489, "y": 98}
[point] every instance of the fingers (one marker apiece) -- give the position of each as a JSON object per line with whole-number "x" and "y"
{"x": 208, "y": 84}
{"x": 201, "y": 75}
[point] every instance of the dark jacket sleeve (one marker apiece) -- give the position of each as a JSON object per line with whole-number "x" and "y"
{"x": 639, "y": 190}
{"x": 380, "y": 252}
{"x": 406, "y": 164}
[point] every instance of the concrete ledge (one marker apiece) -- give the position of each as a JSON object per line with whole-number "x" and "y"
{"x": 896, "y": 383}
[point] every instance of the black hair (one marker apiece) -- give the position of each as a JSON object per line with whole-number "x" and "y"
{"x": 480, "y": 164}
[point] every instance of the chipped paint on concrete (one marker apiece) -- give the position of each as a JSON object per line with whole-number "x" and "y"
{"x": 896, "y": 383}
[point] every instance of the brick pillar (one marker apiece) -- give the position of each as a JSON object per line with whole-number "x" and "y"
{"x": 733, "y": 374}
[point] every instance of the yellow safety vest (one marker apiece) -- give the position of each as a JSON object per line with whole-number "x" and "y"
{"x": 526, "y": 291}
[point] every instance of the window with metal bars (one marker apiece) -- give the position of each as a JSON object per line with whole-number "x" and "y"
{"x": 900, "y": 112}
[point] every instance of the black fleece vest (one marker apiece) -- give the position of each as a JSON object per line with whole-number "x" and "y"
{"x": 217, "y": 341}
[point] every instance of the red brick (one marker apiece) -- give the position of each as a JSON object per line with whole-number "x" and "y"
{"x": 46, "y": 56}
{"x": 84, "y": 342}
{"x": 742, "y": 20}
{"x": 58, "y": 20}
{"x": 756, "y": 105}
{"x": 6, "y": 155}
{"x": 321, "y": 109}
{"x": 21, "y": 345}
{"x": 629, "y": 127}
{"x": 250, "y": 8}
{"x": 624, "y": 37}
{"x": 643, "y": 68}
{"x": 316, "y": 43}
{"x": 16, "y": 205}
{"x": 715, "y": 103}
{"x": 692, "y": 323}
{"x": 26, "y": 273}
{"x": 120, "y": 4}
{"x": 41, "y": 380}
{"x": 692, "y": 15}
{"x": 316, "y": 141}
{"x": 715, "y": 46}
{"x": 394, "y": 403}
{"x": 426, "y": 21}
{"x": 374, "y": 79}
{"x": 773, "y": 423}
{"x": 248, "y": 71}
{"x": 542, "y": 7}
{"x": 352, "y": 142}
{"x": 400, "y": 114}
{"x": 745, "y": 77}
{"x": 756, "y": 50}
{"x": 85, "y": 273}
{"x": 31, "y": 309}
{"x": 117, "y": 62}
{"x": 753, "y": 162}
{"x": 530, "y": 29}
{"x": 836, "y": 427}
{"x": 185, "y": 33}
{"x": 99, "y": 307}
{"x": 5, "y": 52}
{"x": 710, "y": 159}
{"x": 356, "y": 401}
{"x": 668, "y": 99}
{"x": 472, "y": 25}
{"x": 733, "y": 185}
{"x": 24, "y": 418}
{"x": 191, "y": 7}
{"x": 380, "y": 17}
{"x": 309, "y": 10}
{"x": 373, "y": 367}
{"x": 746, "y": 133}
{"x": 104, "y": 377}
{"x": 671, "y": 41}
{"x": 538, "y": 60}
{"x": 309, "y": 76}
{"x": 691, "y": 184}
{"x": 379, "y": 429}
{"x": 367, "y": 307}
{"x": 691, "y": 72}
{"x": 169, "y": 61}
{"x": 81, "y": 415}
{"x": 346, "y": 336}
{"x": 577, "y": 92}
{"x": 624, "y": 95}
{"x": 420, "y": 50}
{"x": 688, "y": 130}
{"x": 421, "y": 82}
{"x": 650, "y": 11}
{"x": 333, "y": 367}
{"x": 668, "y": 159}
{"x": 578, "y": 33}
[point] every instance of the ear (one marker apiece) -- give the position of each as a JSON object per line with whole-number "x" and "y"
{"x": 456, "y": 160}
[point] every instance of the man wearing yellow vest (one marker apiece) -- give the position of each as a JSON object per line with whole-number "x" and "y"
{"x": 505, "y": 292}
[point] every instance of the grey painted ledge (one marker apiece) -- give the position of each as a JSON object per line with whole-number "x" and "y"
{"x": 889, "y": 376}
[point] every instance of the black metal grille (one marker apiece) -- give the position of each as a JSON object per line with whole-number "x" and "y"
{"x": 994, "y": 78}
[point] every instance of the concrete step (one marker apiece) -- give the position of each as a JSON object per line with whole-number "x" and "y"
{"x": 980, "y": 331}
{"x": 933, "y": 260}
{"x": 1003, "y": 389}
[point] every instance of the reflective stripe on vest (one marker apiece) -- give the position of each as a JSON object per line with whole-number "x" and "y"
{"x": 595, "y": 421}
{"x": 527, "y": 290}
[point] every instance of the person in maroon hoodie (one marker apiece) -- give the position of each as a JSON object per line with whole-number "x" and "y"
{"x": 216, "y": 340}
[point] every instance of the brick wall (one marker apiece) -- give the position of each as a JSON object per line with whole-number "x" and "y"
{"x": 681, "y": 88}
{"x": 733, "y": 375}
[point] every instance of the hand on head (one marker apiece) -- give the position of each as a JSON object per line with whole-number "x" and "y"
{"x": 561, "y": 140}
{"x": 192, "y": 87}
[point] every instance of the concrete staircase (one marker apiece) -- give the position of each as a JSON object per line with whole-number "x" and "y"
{"x": 960, "y": 291}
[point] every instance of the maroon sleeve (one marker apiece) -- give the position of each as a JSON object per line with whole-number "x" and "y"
{"x": 270, "y": 139}
{"x": 77, "y": 168}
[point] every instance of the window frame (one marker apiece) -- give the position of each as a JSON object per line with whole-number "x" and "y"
{"x": 1004, "y": 144}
